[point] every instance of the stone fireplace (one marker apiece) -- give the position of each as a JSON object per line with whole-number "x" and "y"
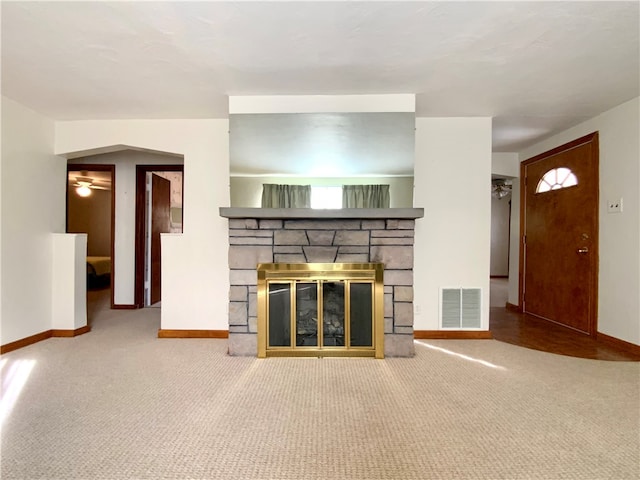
{"x": 305, "y": 236}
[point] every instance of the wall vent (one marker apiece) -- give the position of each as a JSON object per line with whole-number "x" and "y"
{"x": 460, "y": 307}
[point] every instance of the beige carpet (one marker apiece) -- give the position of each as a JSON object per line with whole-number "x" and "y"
{"x": 119, "y": 403}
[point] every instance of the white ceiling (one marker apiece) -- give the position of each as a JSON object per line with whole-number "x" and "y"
{"x": 536, "y": 67}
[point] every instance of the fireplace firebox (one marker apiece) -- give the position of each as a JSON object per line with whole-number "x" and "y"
{"x": 320, "y": 309}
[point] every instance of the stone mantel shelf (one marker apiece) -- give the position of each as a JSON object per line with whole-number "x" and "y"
{"x": 310, "y": 213}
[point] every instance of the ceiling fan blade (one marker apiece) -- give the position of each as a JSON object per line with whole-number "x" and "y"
{"x": 98, "y": 187}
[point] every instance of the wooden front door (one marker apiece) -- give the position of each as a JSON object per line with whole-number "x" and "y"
{"x": 160, "y": 223}
{"x": 559, "y": 258}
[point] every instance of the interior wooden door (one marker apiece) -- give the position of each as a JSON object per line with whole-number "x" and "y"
{"x": 559, "y": 259}
{"x": 160, "y": 223}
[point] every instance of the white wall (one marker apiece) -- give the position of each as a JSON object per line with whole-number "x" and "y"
{"x": 452, "y": 178}
{"x": 69, "y": 302}
{"x": 125, "y": 192}
{"x": 33, "y": 188}
{"x": 505, "y": 164}
{"x": 247, "y": 191}
{"x": 619, "y": 239}
{"x": 194, "y": 265}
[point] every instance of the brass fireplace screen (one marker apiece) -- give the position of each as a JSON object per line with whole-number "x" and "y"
{"x": 320, "y": 309}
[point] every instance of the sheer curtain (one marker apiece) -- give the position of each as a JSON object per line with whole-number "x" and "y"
{"x": 365, "y": 196}
{"x": 286, "y": 196}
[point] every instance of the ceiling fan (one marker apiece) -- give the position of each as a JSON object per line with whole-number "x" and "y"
{"x": 84, "y": 185}
{"x": 500, "y": 188}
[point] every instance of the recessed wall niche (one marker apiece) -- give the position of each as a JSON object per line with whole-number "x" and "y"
{"x": 321, "y": 149}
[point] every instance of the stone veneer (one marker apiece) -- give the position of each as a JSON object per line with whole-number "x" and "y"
{"x": 265, "y": 240}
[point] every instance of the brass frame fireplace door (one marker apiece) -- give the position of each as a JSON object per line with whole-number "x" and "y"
{"x": 320, "y": 309}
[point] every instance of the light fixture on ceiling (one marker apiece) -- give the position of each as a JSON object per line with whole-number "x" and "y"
{"x": 83, "y": 190}
{"x": 84, "y": 185}
{"x": 500, "y": 188}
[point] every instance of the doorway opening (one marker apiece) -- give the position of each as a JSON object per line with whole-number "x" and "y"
{"x": 91, "y": 210}
{"x": 501, "y": 194}
{"x": 159, "y": 206}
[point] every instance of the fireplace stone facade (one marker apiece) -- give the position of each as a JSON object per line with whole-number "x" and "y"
{"x": 321, "y": 240}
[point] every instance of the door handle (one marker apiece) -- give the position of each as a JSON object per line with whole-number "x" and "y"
{"x": 583, "y": 250}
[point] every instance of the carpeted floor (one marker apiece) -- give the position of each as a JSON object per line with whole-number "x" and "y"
{"x": 119, "y": 403}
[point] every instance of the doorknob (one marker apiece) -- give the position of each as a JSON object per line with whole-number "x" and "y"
{"x": 583, "y": 250}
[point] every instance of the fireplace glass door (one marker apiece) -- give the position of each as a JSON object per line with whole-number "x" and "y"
{"x": 320, "y": 313}
{"x": 280, "y": 311}
{"x": 306, "y": 326}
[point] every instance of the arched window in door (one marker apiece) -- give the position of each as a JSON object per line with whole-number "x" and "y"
{"x": 556, "y": 179}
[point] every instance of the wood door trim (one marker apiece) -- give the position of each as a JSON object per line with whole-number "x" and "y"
{"x": 562, "y": 148}
{"x": 99, "y": 167}
{"x": 591, "y": 138}
{"x": 141, "y": 172}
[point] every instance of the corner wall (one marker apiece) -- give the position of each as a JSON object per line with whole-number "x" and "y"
{"x": 452, "y": 178}
{"x": 33, "y": 202}
{"x": 619, "y": 239}
{"x": 505, "y": 164}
